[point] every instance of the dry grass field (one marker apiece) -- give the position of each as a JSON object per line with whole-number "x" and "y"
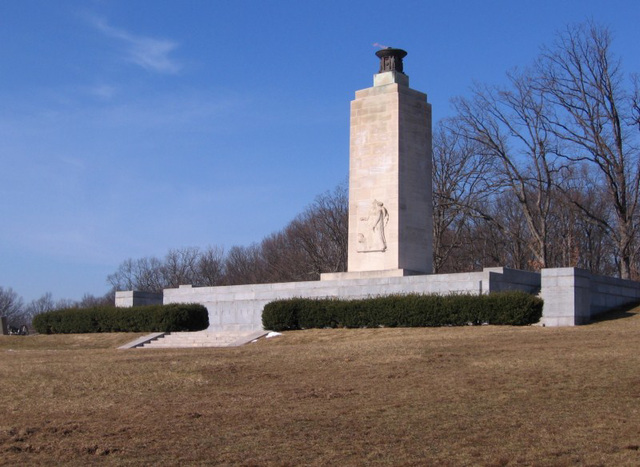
{"x": 436, "y": 396}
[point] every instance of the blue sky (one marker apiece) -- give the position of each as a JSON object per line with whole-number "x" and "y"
{"x": 128, "y": 128}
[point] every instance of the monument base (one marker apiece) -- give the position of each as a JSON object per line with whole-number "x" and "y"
{"x": 339, "y": 276}
{"x": 571, "y": 296}
{"x": 239, "y": 307}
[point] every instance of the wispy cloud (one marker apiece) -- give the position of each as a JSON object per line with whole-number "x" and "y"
{"x": 149, "y": 53}
{"x": 101, "y": 91}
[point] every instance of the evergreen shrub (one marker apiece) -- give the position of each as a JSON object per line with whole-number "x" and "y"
{"x": 149, "y": 318}
{"x": 414, "y": 310}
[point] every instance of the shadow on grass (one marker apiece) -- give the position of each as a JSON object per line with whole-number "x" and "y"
{"x": 625, "y": 311}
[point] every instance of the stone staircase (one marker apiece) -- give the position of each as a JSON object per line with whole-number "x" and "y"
{"x": 182, "y": 340}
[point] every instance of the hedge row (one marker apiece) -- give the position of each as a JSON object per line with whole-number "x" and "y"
{"x": 510, "y": 308}
{"x": 151, "y": 318}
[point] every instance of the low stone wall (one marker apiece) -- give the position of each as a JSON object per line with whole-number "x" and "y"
{"x": 566, "y": 296}
{"x": 129, "y": 298}
{"x": 573, "y": 296}
{"x": 610, "y": 292}
{"x": 502, "y": 279}
{"x": 239, "y": 307}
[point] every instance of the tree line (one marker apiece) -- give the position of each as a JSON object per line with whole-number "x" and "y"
{"x": 543, "y": 171}
{"x": 17, "y": 312}
{"x": 313, "y": 243}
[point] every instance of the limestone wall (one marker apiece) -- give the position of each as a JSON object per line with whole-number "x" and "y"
{"x": 610, "y": 292}
{"x": 130, "y": 298}
{"x": 566, "y": 296}
{"x": 239, "y": 307}
{"x": 573, "y": 296}
{"x": 502, "y": 279}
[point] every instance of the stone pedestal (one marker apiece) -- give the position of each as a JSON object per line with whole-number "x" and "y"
{"x": 390, "y": 210}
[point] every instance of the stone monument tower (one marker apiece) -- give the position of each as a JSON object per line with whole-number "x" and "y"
{"x": 390, "y": 210}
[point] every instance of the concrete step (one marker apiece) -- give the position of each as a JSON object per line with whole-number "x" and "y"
{"x": 176, "y": 340}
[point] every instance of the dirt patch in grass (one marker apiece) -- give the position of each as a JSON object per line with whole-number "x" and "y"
{"x": 447, "y": 396}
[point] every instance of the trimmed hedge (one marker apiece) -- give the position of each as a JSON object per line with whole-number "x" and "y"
{"x": 150, "y": 318}
{"x": 510, "y": 308}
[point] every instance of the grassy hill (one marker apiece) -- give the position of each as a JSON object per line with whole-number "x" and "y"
{"x": 448, "y": 396}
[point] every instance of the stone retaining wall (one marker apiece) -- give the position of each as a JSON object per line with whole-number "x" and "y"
{"x": 129, "y": 298}
{"x": 571, "y": 296}
{"x": 239, "y": 307}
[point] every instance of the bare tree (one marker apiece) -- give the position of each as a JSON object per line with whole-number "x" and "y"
{"x": 180, "y": 266}
{"x": 580, "y": 241}
{"x": 90, "y": 300}
{"x": 282, "y": 258}
{"x": 314, "y": 242}
{"x": 40, "y": 305}
{"x": 321, "y": 231}
{"x": 140, "y": 274}
{"x": 461, "y": 191}
{"x": 594, "y": 115}
{"x": 512, "y": 241}
{"x": 11, "y": 306}
{"x": 210, "y": 267}
{"x": 245, "y": 265}
{"x": 65, "y": 303}
{"x": 635, "y": 101}
{"x": 124, "y": 278}
{"x": 510, "y": 126}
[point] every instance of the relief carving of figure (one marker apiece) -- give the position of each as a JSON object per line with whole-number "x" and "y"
{"x": 371, "y": 236}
